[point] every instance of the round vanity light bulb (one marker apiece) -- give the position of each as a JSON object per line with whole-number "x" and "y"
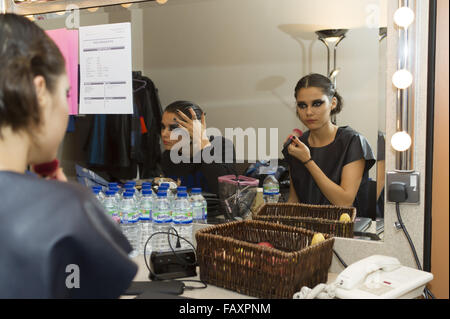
{"x": 92, "y": 9}
{"x": 126, "y": 5}
{"x": 161, "y": 1}
{"x": 402, "y": 79}
{"x": 404, "y": 16}
{"x": 401, "y": 141}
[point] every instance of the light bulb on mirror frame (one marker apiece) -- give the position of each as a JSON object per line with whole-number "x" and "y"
{"x": 92, "y": 9}
{"x": 402, "y": 79}
{"x": 403, "y": 17}
{"x": 126, "y": 5}
{"x": 401, "y": 141}
{"x": 161, "y": 1}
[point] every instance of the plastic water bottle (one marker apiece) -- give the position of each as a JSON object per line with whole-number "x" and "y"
{"x": 145, "y": 219}
{"x": 182, "y": 220}
{"x": 145, "y": 185}
{"x": 271, "y": 189}
{"x": 162, "y": 222}
{"x": 97, "y": 190}
{"x": 205, "y": 211}
{"x": 181, "y": 189}
{"x": 116, "y": 191}
{"x": 113, "y": 185}
{"x": 111, "y": 205}
{"x": 129, "y": 222}
{"x": 131, "y": 189}
{"x": 170, "y": 193}
{"x": 197, "y": 203}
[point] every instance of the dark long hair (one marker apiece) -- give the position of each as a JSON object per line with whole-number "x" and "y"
{"x": 324, "y": 83}
{"x": 184, "y": 107}
{"x": 25, "y": 52}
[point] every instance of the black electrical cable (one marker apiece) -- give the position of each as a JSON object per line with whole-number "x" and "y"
{"x": 340, "y": 259}
{"x": 169, "y": 233}
{"x": 411, "y": 244}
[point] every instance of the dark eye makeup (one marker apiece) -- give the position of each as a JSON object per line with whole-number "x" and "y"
{"x": 315, "y": 103}
{"x": 171, "y": 126}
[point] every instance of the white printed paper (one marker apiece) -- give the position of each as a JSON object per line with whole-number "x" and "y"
{"x": 105, "y": 69}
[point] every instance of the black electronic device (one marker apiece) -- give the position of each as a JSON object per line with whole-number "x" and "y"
{"x": 165, "y": 287}
{"x": 170, "y": 265}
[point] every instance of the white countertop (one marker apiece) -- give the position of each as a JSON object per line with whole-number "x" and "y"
{"x": 211, "y": 292}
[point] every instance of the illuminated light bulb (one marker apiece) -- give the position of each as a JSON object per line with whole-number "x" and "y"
{"x": 403, "y": 17}
{"x": 401, "y": 141}
{"x": 60, "y": 13}
{"x": 92, "y": 9}
{"x": 161, "y": 1}
{"x": 30, "y": 17}
{"x": 332, "y": 39}
{"x": 402, "y": 79}
{"x": 126, "y": 5}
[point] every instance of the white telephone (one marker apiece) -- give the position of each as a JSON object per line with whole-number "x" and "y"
{"x": 374, "y": 277}
{"x": 380, "y": 277}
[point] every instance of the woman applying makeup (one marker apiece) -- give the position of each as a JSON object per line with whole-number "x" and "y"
{"x": 328, "y": 164}
{"x": 198, "y": 160}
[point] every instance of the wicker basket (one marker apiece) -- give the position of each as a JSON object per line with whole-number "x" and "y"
{"x": 229, "y": 257}
{"x": 318, "y": 218}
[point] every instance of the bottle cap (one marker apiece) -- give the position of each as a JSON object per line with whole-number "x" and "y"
{"x": 146, "y": 184}
{"x": 162, "y": 194}
{"x": 127, "y": 194}
{"x": 110, "y": 193}
{"x": 96, "y": 190}
{"x": 113, "y": 185}
{"x": 146, "y": 187}
{"x": 196, "y": 190}
{"x": 147, "y": 191}
{"x": 182, "y": 194}
{"x": 181, "y": 188}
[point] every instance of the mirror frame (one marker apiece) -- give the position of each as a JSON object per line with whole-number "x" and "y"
{"x": 59, "y": 5}
{"x": 351, "y": 250}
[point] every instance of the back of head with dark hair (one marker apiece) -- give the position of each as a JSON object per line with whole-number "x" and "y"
{"x": 184, "y": 107}
{"x": 25, "y": 52}
{"x": 324, "y": 83}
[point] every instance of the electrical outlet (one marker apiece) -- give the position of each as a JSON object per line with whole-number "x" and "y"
{"x": 412, "y": 181}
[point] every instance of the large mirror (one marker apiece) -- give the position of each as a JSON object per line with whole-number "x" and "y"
{"x": 240, "y": 61}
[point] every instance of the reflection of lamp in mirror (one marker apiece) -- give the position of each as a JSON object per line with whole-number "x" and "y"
{"x": 331, "y": 38}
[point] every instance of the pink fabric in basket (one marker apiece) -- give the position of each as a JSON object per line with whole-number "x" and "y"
{"x": 243, "y": 180}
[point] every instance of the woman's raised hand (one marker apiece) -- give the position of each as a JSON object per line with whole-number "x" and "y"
{"x": 195, "y": 127}
{"x": 299, "y": 150}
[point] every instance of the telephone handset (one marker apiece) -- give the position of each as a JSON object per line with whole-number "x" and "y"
{"x": 380, "y": 277}
{"x": 372, "y": 278}
{"x": 358, "y": 272}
